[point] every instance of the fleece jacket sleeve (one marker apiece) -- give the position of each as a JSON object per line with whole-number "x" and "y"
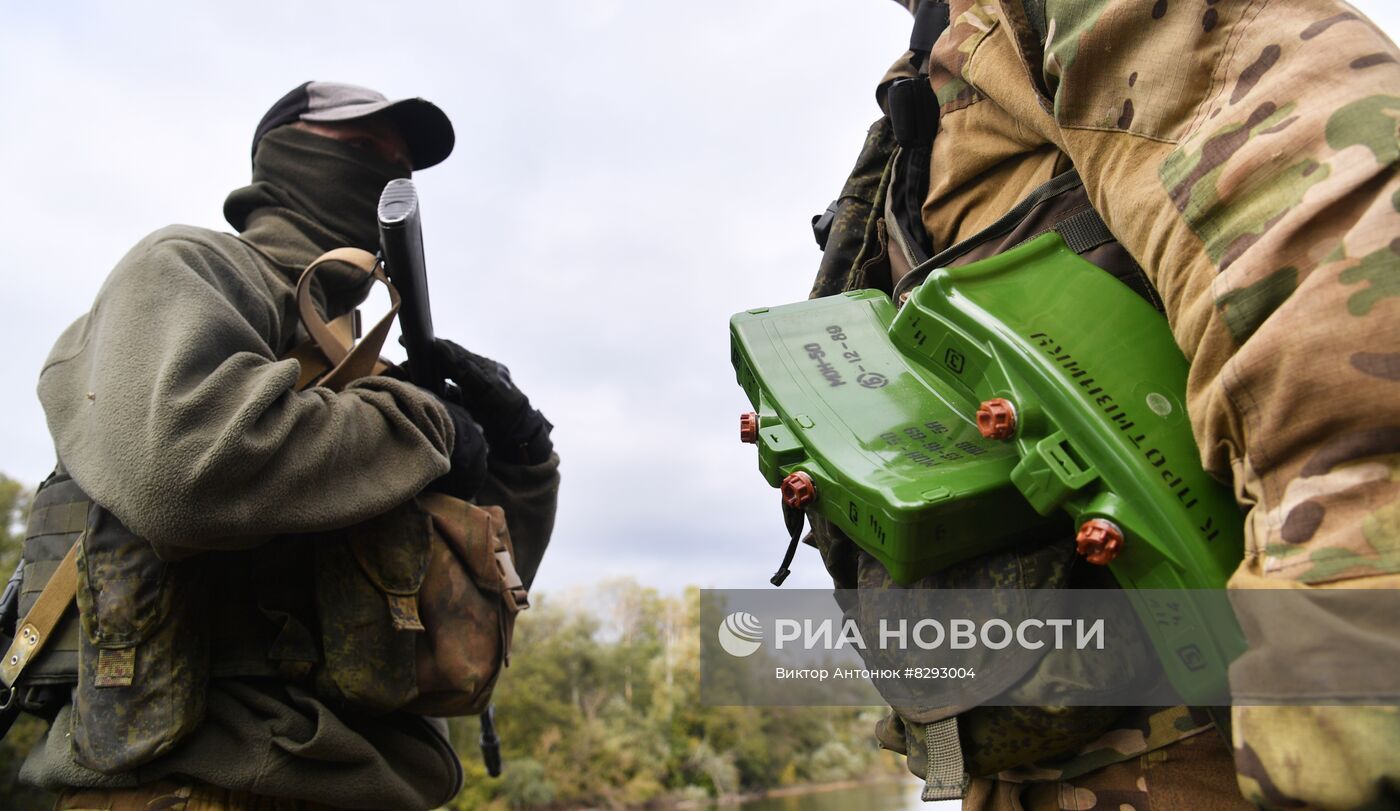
{"x": 530, "y": 495}
{"x": 169, "y": 407}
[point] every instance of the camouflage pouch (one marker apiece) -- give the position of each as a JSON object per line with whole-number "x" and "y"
{"x": 143, "y": 655}
{"x": 469, "y": 601}
{"x": 993, "y": 738}
{"x": 367, "y": 583}
{"x": 417, "y": 607}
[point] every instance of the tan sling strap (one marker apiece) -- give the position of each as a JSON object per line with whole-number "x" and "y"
{"x": 313, "y": 362}
{"x": 38, "y": 625}
{"x": 332, "y": 340}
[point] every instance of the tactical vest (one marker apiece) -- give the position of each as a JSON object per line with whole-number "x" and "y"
{"x": 872, "y": 237}
{"x": 138, "y": 651}
{"x": 149, "y": 633}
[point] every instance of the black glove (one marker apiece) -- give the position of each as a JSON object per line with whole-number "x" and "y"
{"x": 468, "y": 456}
{"x": 515, "y": 432}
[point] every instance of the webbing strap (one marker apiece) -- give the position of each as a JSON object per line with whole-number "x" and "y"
{"x": 38, "y": 625}
{"x": 363, "y": 358}
{"x": 515, "y": 593}
{"x": 58, "y": 519}
{"x": 912, "y": 105}
{"x": 945, "y": 776}
{"x": 930, "y": 20}
{"x": 913, "y": 114}
{"x": 1084, "y": 231}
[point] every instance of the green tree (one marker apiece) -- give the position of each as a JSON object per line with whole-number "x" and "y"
{"x": 14, "y": 509}
{"x": 601, "y": 707}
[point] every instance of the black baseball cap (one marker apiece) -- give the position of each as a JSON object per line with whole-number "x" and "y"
{"x": 424, "y": 126}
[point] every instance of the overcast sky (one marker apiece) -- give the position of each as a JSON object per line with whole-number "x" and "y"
{"x": 627, "y": 175}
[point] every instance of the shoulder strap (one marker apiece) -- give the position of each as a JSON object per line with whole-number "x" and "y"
{"x": 930, "y": 20}
{"x": 1061, "y": 204}
{"x": 913, "y": 112}
{"x": 38, "y": 625}
{"x": 348, "y": 362}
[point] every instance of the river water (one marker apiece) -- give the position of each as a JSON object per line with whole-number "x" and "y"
{"x": 889, "y": 796}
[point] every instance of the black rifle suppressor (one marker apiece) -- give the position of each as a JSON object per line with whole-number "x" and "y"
{"x": 401, "y": 248}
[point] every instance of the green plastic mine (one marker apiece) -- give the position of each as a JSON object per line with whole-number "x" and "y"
{"x": 897, "y": 463}
{"x": 879, "y": 408}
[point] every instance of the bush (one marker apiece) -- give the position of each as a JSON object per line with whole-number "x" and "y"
{"x": 833, "y": 761}
{"x": 524, "y": 784}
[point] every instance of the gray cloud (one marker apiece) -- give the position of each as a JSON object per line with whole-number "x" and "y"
{"x": 627, "y": 175}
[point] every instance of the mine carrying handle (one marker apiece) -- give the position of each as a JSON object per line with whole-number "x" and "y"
{"x": 401, "y": 246}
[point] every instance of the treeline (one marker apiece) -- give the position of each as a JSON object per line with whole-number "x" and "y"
{"x": 599, "y": 708}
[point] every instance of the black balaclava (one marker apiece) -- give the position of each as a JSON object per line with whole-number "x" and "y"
{"x": 311, "y": 177}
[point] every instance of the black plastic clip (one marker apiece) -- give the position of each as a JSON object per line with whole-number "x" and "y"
{"x": 490, "y": 743}
{"x": 794, "y": 518}
{"x": 821, "y": 224}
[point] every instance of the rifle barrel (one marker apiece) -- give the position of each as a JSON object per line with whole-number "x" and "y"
{"x": 401, "y": 241}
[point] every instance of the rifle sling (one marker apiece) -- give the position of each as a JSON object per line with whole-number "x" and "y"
{"x": 38, "y": 625}
{"x": 348, "y": 362}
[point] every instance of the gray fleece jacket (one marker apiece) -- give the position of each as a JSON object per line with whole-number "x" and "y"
{"x": 169, "y": 407}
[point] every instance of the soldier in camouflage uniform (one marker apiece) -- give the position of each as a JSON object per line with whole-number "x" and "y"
{"x": 1245, "y": 154}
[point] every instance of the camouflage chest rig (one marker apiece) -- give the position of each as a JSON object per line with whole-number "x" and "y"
{"x": 873, "y": 237}
{"x": 412, "y": 610}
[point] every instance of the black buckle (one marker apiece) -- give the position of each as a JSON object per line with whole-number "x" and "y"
{"x": 913, "y": 112}
{"x": 930, "y": 21}
{"x": 821, "y": 224}
{"x": 9, "y": 711}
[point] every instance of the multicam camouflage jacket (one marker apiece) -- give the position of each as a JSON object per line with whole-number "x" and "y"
{"x": 1245, "y": 155}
